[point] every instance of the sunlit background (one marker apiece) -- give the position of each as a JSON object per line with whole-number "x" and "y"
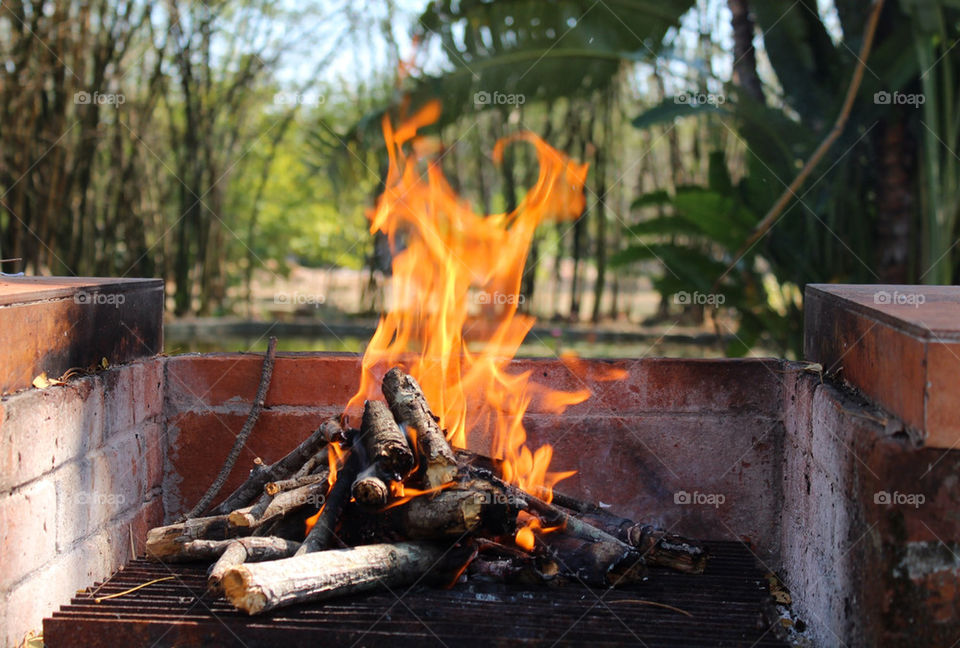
{"x": 234, "y": 148}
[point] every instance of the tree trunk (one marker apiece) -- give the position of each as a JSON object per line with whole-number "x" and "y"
{"x": 744, "y": 56}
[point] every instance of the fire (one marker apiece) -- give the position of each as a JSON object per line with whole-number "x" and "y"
{"x": 525, "y": 537}
{"x": 335, "y": 455}
{"x": 451, "y": 263}
{"x": 404, "y": 493}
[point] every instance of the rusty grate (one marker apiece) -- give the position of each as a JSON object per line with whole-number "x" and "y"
{"x": 727, "y": 603}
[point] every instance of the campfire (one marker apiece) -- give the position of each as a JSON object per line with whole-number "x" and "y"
{"x": 387, "y": 494}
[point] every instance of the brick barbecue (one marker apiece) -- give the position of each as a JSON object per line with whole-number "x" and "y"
{"x": 844, "y": 485}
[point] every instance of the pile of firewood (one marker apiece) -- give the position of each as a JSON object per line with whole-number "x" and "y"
{"x": 393, "y": 504}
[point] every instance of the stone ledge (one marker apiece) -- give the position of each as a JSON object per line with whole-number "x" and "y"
{"x": 898, "y": 345}
{"x": 54, "y": 323}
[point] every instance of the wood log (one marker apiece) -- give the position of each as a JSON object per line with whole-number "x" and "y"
{"x": 409, "y": 406}
{"x": 311, "y": 494}
{"x": 322, "y": 575}
{"x": 294, "y": 460}
{"x": 668, "y": 549}
{"x": 385, "y": 441}
{"x": 658, "y": 547}
{"x": 275, "y": 487}
{"x": 456, "y": 512}
{"x": 471, "y": 508}
{"x": 248, "y": 550}
{"x": 322, "y": 532}
{"x": 370, "y": 487}
{"x": 170, "y": 543}
{"x": 525, "y": 570}
{"x": 602, "y": 563}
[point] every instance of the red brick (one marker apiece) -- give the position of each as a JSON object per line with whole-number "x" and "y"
{"x": 904, "y": 357}
{"x": 31, "y": 600}
{"x": 27, "y": 530}
{"x": 150, "y": 515}
{"x": 43, "y": 429}
{"x": 298, "y": 379}
{"x": 44, "y": 328}
{"x": 200, "y": 443}
{"x": 150, "y": 391}
{"x": 943, "y": 403}
{"x": 76, "y": 516}
{"x": 119, "y": 398}
{"x": 120, "y": 473}
{"x": 154, "y": 443}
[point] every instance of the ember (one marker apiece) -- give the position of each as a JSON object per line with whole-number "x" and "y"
{"x": 389, "y": 481}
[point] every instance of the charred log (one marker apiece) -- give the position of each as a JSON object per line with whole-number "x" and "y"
{"x": 409, "y": 406}
{"x": 385, "y": 442}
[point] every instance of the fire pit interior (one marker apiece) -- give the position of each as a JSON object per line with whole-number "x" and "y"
{"x": 827, "y": 515}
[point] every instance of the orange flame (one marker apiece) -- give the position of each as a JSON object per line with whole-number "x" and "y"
{"x": 525, "y": 538}
{"x": 455, "y": 270}
{"x": 335, "y": 455}
{"x": 404, "y": 493}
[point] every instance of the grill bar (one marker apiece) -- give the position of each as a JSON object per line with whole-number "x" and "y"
{"x": 727, "y": 604}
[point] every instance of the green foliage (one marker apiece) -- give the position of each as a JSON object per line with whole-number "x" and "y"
{"x": 827, "y": 232}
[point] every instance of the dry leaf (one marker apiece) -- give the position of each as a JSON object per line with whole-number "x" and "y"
{"x": 41, "y": 381}
{"x": 104, "y": 363}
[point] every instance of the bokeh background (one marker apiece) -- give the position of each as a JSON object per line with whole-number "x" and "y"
{"x": 233, "y": 147}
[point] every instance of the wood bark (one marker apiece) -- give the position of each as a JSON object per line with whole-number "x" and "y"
{"x": 251, "y": 549}
{"x": 273, "y": 488}
{"x": 322, "y": 532}
{"x": 409, "y": 406}
{"x": 281, "y": 505}
{"x": 385, "y": 442}
{"x": 170, "y": 542}
{"x": 322, "y": 575}
{"x": 370, "y": 487}
{"x": 282, "y": 469}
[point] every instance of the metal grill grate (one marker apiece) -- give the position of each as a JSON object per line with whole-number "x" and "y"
{"x": 726, "y": 602}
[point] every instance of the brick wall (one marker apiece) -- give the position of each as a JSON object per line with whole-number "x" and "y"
{"x": 80, "y": 471}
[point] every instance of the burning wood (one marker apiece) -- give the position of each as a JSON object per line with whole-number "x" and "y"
{"x": 322, "y": 575}
{"x": 395, "y": 486}
{"x": 409, "y": 406}
{"x": 397, "y": 507}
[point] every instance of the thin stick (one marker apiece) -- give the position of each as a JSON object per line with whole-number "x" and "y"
{"x": 790, "y": 192}
{"x": 241, "y": 440}
{"x": 653, "y": 603}
{"x": 322, "y": 531}
{"x": 133, "y": 589}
